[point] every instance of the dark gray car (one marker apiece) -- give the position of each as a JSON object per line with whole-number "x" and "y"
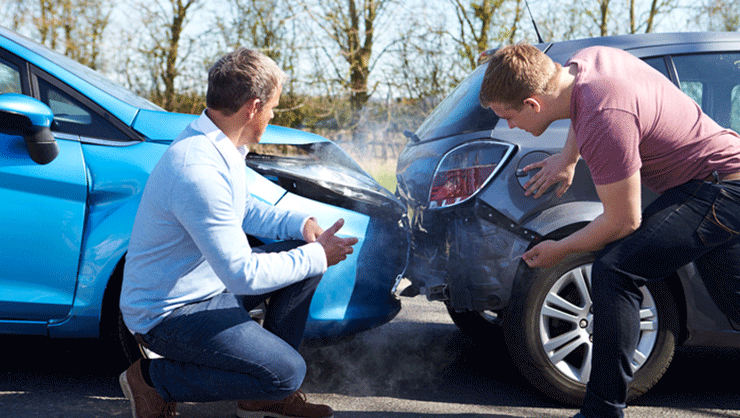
{"x": 461, "y": 178}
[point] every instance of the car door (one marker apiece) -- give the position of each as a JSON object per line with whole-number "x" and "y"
{"x": 42, "y": 217}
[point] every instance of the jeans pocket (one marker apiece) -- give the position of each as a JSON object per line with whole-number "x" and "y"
{"x": 720, "y": 225}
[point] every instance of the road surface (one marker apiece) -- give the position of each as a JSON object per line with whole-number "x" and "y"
{"x": 418, "y": 365}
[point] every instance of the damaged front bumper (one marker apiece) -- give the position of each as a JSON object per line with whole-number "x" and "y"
{"x": 320, "y": 179}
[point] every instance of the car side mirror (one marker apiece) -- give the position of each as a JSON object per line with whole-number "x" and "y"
{"x": 27, "y": 117}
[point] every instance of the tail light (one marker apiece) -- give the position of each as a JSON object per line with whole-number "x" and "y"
{"x": 464, "y": 170}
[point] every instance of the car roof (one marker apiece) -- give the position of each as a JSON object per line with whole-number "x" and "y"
{"x": 647, "y": 44}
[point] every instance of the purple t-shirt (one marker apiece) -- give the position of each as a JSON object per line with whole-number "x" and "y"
{"x": 627, "y": 116}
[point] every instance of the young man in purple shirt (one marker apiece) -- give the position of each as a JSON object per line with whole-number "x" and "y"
{"x": 191, "y": 277}
{"x": 632, "y": 127}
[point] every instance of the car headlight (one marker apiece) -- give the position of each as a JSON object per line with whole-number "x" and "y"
{"x": 464, "y": 170}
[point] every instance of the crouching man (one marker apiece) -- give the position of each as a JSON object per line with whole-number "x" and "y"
{"x": 191, "y": 277}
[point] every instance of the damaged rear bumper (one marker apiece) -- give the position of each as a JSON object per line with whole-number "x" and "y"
{"x": 467, "y": 257}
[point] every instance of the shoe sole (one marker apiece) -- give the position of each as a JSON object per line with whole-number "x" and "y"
{"x": 123, "y": 381}
{"x": 258, "y": 414}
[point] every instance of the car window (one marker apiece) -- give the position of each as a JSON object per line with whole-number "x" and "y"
{"x": 10, "y": 78}
{"x": 460, "y": 112}
{"x": 73, "y": 117}
{"x": 713, "y": 81}
{"x": 659, "y": 64}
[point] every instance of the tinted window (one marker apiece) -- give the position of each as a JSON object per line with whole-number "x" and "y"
{"x": 459, "y": 112}
{"x": 659, "y": 64}
{"x": 712, "y": 80}
{"x": 10, "y": 78}
{"x": 72, "y": 117}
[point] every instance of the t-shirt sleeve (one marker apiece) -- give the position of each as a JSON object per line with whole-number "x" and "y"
{"x": 609, "y": 142}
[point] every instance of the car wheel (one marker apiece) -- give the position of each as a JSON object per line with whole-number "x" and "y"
{"x": 130, "y": 347}
{"x": 548, "y": 331}
{"x": 484, "y": 326}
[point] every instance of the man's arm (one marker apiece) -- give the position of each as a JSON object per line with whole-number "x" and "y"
{"x": 622, "y": 215}
{"x": 265, "y": 220}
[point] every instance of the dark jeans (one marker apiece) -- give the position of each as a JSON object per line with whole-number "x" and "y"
{"x": 698, "y": 221}
{"x": 213, "y": 350}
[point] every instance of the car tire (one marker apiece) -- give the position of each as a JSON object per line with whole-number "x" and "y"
{"x": 538, "y": 335}
{"x": 131, "y": 349}
{"x": 483, "y": 326}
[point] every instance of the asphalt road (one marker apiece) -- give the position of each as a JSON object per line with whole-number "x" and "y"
{"x": 419, "y": 365}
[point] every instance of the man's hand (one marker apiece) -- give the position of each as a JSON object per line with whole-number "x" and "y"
{"x": 553, "y": 169}
{"x": 558, "y": 168}
{"x": 545, "y": 254}
{"x": 311, "y": 230}
{"x": 336, "y": 248}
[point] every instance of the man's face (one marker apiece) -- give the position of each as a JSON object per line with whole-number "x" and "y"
{"x": 529, "y": 118}
{"x": 263, "y": 116}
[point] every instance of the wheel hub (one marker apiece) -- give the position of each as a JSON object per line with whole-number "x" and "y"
{"x": 566, "y": 325}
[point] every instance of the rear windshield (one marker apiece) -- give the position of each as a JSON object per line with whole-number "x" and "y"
{"x": 460, "y": 112}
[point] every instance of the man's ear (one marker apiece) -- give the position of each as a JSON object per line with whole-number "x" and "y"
{"x": 251, "y": 107}
{"x": 535, "y": 102}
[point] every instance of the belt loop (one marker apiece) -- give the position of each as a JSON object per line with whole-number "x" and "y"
{"x": 715, "y": 174}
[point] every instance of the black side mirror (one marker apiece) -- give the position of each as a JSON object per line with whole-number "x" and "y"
{"x": 27, "y": 117}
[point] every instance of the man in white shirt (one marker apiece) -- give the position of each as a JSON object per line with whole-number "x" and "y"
{"x": 191, "y": 277}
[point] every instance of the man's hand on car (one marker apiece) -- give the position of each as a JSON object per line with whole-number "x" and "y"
{"x": 553, "y": 169}
{"x": 336, "y": 248}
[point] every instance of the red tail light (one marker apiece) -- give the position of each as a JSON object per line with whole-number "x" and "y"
{"x": 465, "y": 170}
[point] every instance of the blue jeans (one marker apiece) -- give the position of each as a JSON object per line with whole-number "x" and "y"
{"x": 213, "y": 350}
{"x": 698, "y": 221}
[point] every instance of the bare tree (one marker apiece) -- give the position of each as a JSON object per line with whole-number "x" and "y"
{"x": 257, "y": 24}
{"x": 84, "y": 31}
{"x": 73, "y": 27}
{"x": 598, "y": 13}
{"x": 719, "y": 15}
{"x": 483, "y": 24}
{"x": 265, "y": 25}
{"x": 578, "y": 18}
{"x": 351, "y": 26}
{"x": 649, "y": 16}
{"x": 162, "y": 50}
{"x": 563, "y": 20}
{"x": 15, "y": 12}
{"x": 269, "y": 26}
{"x": 423, "y": 64}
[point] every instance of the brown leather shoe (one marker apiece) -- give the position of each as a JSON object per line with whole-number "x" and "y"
{"x": 145, "y": 401}
{"x": 294, "y": 406}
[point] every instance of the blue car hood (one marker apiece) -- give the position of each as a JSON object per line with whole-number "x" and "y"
{"x": 160, "y": 126}
{"x": 164, "y": 127}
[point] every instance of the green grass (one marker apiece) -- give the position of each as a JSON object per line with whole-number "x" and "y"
{"x": 384, "y": 172}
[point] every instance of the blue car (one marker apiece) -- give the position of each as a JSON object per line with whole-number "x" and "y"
{"x": 75, "y": 153}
